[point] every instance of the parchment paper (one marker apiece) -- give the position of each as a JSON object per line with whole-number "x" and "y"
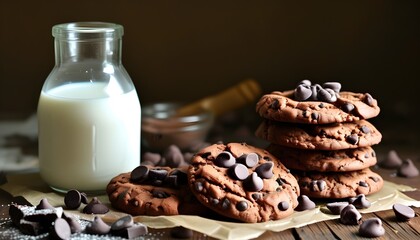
{"x": 34, "y": 189}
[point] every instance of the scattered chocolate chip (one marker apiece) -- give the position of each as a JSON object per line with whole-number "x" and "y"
{"x": 31, "y": 228}
{"x": 173, "y": 156}
{"x": 253, "y": 183}
{"x": 134, "y": 231}
{"x": 98, "y": 226}
{"x": 314, "y": 88}
{"x": 225, "y": 203}
{"x": 305, "y": 82}
{"x": 302, "y": 93}
{"x": 84, "y": 198}
{"x": 60, "y": 230}
{"x": 360, "y": 201}
{"x": 275, "y": 104}
{"x": 139, "y": 174}
{"x": 198, "y": 186}
{"x": 225, "y": 159}
{"x": 365, "y": 129}
{"x": 336, "y": 207}
{"x": 157, "y": 174}
{"x": 95, "y": 207}
{"x": 371, "y": 228}
{"x": 181, "y": 177}
{"x": 238, "y": 171}
{"x": 265, "y": 170}
{"x": 407, "y": 169}
{"x": 352, "y": 139}
{"x": 249, "y": 160}
{"x": 72, "y": 199}
{"x": 181, "y": 232}
{"x": 350, "y": 216}
{"x": 242, "y": 206}
{"x": 283, "y": 206}
{"x": 368, "y": 99}
{"x": 327, "y": 95}
{"x": 44, "y": 204}
{"x": 75, "y": 226}
{"x": 335, "y": 86}
{"x": 392, "y": 161}
{"x": 123, "y": 222}
{"x": 304, "y": 203}
{"x": 152, "y": 158}
{"x": 403, "y": 212}
{"x": 16, "y": 213}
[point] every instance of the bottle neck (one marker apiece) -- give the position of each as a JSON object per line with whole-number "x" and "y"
{"x": 103, "y": 50}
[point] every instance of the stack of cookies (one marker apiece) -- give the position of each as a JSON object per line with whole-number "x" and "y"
{"x": 323, "y": 136}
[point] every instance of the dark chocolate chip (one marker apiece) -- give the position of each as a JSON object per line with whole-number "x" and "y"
{"x": 225, "y": 203}
{"x": 123, "y": 222}
{"x": 181, "y": 232}
{"x": 407, "y": 169}
{"x": 371, "y": 228}
{"x": 314, "y": 88}
{"x": 363, "y": 184}
{"x": 253, "y": 183}
{"x": 360, "y": 201}
{"x": 157, "y": 174}
{"x": 134, "y": 231}
{"x": 336, "y": 207}
{"x": 31, "y": 228}
{"x": 304, "y": 203}
{"x": 214, "y": 201}
{"x": 256, "y": 196}
{"x": 321, "y": 105}
{"x": 275, "y": 104}
{"x": 160, "y": 194}
{"x": 352, "y": 139}
{"x": 318, "y": 185}
{"x": 365, "y": 129}
{"x": 403, "y": 212}
{"x": 369, "y": 100}
{"x": 327, "y": 95}
{"x": 347, "y": 107}
{"x": 305, "y": 82}
{"x": 139, "y": 174}
{"x": 172, "y": 180}
{"x": 151, "y": 157}
{"x": 350, "y": 216}
{"x": 265, "y": 170}
{"x": 315, "y": 115}
{"x": 335, "y": 86}
{"x": 173, "y": 156}
{"x": 280, "y": 181}
{"x": 60, "y": 229}
{"x": 238, "y": 171}
{"x": 75, "y": 226}
{"x": 374, "y": 178}
{"x": 249, "y": 160}
{"x": 44, "y": 204}
{"x": 305, "y": 114}
{"x": 182, "y": 177}
{"x": 95, "y": 207}
{"x": 242, "y": 206}
{"x": 72, "y": 199}
{"x": 198, "y": 186}
{"x": 392, "y": 161}
{"x": 225, "y": 159}
{"x": 98, "y": 226}
{"x": 283, "y": 206}
{"x": 302, "y": 93}
{"x": 16, "y": 213}
{"x": 84, "y": 198}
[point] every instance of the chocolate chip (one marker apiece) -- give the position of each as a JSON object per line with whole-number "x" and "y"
{"x": 238, "y": 171}
{"x": 242, "y": 206}
{"x": 173, "y": 156}
{"x": 225, "y": 159}
{"x": 315, "y": 115}
{"x": 368, "y": 99}
{"x": 374, "y": 178}
{"x": 95, "y": 207}
{"x": 392, "y": 161}
{"x": 280, "y": 181}
{"x": 16, "y": 213}
{"x": 171, "y": 180}
{"x": 134, "y": 231}
{"x": 265, "y": 170}
{"x": 347, "y": 107}
{"x": 139, "y": 174}
{"x": 84, "y": 198}
{"x": 350, "y": 216}
{"x": 305, "y": 82}
{"x": 365, "y": 129}
{"x": 304, "y": 203}
{"x": 225, "y": 203}
{"x": 275, "y": 104}
{"x": 159, "y": 194}
{"x": 253, "y": 183}
{"x": 352, "y": 139}
{"x": 363, "y": 184}
{"x": 371, "y": 228}
{"x": 72, "y": 199}
{"x": 327, "y": 95}
{"x": 181, "y": 232}
{"x": 403, "y": 212}
{"x": 249, "y": 160}
{"x": 302, "y": 93}
{"x": 407, "y": 169}
{"x": 44, "y": 204}
{"x": 318, "y": 185}
{"x": 214, "y": 201}
{"x": 314, "y": 88}
{"x": 256, "y": 196}
{"x": 157, "y": 174}
{"x": 31, "y": 228}
{"x": 360, "y": 201}
{"x": 182, "y": 177}
{"x": 123, "y": 222}
{"x": 150, "y": 157}
{"x": 321, "y": 105}
{"x": 198, "y": 186}
{"x": 336, "y": 207}
{"x": 60, "y": 229}
{"x": 98, "y": 226}
{"x": 75, "y": 226}
{"x": 335, "y": 86}
{"x": 283, "y": 206}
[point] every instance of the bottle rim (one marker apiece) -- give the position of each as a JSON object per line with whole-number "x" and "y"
{"x": 87, "y": 30}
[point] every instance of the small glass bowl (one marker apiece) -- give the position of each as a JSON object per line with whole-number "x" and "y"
{"x": 161, "y": 127}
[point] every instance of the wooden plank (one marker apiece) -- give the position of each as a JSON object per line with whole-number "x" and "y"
{"x": 401, "y": 229}
{"x": 344, "y": 232}
{"x": 283, "y": 235}
{"x": 318, "y": 230}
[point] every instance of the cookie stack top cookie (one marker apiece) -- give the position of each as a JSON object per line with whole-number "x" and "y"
{"x": 324, "y": 136}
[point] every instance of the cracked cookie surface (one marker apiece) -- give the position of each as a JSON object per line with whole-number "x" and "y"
{"x": 243, "y": 182}
{"x": 349, "y": 107}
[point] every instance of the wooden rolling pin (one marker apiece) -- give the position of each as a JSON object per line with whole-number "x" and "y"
{"x": 243, "y": 93}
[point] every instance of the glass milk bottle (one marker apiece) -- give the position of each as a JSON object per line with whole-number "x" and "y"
{"x": 89, "y": 113}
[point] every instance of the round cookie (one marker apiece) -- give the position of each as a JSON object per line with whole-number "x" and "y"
{"x": 334, "y": 136}
{"x": 153, "y": 191}
{"x": 243, "y": 182}
{"x": 349, "y": 107}
{"x": 324, "y": 161}
{"x": 340, "y": 184}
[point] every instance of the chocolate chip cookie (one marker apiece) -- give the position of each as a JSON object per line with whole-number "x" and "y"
{"x": 243, "y": 182}
{"x": 334, "y": 136}
{"x": 349, "y": 107}
{"x": 340, "y": 184}
{"x": 324, "y": 161}
{"x": 154, "y": 191}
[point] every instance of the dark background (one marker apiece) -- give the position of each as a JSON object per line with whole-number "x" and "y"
{"x": 185, "y": 50}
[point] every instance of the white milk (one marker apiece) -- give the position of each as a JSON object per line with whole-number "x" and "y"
{"x": 86, "y": 137}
